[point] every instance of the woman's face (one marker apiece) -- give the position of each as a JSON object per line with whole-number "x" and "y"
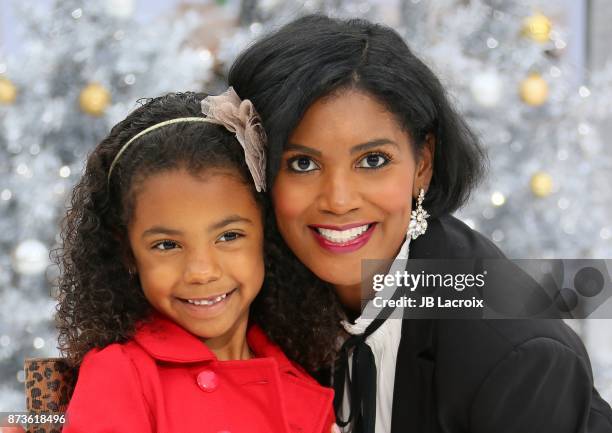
{"x": 344, "y": 189}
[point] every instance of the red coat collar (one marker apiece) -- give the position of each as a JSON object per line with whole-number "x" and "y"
{"x": 164, "y": 340}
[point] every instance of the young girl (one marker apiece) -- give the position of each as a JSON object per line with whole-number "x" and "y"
{"x": 162, "y": 257}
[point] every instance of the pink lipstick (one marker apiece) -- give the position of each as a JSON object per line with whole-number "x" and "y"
{"x": 342, "y": 239}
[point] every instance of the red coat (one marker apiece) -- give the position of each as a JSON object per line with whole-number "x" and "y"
{"x": 166, "y": 380}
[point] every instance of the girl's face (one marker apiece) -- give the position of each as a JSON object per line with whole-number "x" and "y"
{"x": 198, "y": 247}
{"x": 344, "y": 189}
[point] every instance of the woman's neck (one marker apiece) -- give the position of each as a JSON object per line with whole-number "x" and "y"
{"x": 352, "y": 295}
{"x": 350, "y": 298}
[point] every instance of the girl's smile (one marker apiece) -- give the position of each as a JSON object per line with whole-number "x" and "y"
{"x": 206, "y": 308}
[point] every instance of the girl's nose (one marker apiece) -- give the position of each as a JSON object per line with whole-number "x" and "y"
{"x": 202, "y": 268}
{"x": 339, "y": 193}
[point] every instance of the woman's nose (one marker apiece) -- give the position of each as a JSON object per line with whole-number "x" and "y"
{"x": 339, "y": 193}
{"x": 202, "y": 268}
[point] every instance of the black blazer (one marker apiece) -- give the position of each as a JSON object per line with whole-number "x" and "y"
{"x": 490, "y": 376}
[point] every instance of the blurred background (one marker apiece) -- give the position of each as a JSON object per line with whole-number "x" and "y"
{"x": 533, "y": 77}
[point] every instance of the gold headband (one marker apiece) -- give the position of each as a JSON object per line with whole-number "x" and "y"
{"x": 153, "y": 128}
{"x": 237, "y": 116}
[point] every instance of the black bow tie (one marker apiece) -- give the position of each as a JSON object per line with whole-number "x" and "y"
{"x": 361, "y": 382}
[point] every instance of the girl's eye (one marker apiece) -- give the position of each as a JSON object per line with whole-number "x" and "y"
{"x": 374, "y": 160}
{"x": 302, "y": 164}
{"x": 167, "y": 245}
{"x": 230, "y": 236}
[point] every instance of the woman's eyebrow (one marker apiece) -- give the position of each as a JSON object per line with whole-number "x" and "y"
{"x": 302, "y": 148}
{"x": 355, "y": 149}
{"x": 372, "y": 143}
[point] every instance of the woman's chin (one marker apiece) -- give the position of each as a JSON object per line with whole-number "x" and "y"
{"x": 350, "y": 277}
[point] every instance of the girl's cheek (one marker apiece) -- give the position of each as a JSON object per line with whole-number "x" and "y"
{"x": 156, "y": 274}
{"x": 246, "y": 267}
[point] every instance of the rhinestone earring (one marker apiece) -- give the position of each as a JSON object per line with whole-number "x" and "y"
{"x": 418, "y": 218}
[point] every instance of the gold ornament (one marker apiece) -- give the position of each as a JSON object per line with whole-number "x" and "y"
{"x": 8, "y": 91}
{"x": 534, "y": 90}
{"x": 537, "y": 27}
{"x": 94, "y": 99}
{"x": 541, "y": 184}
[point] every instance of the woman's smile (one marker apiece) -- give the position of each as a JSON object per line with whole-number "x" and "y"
{"x": 343, "y": 239}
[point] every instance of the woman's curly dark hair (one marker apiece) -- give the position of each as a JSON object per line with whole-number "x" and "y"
{"x": 100, "y": 302}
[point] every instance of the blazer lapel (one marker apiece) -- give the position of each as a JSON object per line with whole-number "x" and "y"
{"x": 413, "y": 396}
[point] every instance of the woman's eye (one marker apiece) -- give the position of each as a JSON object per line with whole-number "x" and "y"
{"x": 230, "y": 236}
{"x": 302, "y": 164}
{"x": 373, "y": 160}
{"x": 167, "y": 245}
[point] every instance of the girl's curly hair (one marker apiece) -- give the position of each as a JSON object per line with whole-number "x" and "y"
{"x": 99, "y": 302}
{"x": 298, "y": 311}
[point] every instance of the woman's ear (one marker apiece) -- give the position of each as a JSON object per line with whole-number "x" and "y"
{"x": 424, "y": 170}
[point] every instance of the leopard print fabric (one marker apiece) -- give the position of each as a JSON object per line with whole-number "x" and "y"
{"x": 49, "y": 383}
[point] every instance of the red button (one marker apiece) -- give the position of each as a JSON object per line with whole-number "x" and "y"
{"x": 208, "y": 380}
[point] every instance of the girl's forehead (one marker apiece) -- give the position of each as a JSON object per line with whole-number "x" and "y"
{"x": 179, "y": 198}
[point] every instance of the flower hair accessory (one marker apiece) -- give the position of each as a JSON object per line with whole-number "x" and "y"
{"x": 240, "y": 118}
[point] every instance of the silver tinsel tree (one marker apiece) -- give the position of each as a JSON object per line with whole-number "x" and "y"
{"x": 81, "y": 68}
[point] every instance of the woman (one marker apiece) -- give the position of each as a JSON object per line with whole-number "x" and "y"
{"x": 361, "y": 134}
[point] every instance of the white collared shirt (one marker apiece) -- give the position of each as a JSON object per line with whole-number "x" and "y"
{"x": 384, "y": 343}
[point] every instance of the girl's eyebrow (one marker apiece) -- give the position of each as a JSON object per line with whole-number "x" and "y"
{"x": 161, "y": 230}
{"x": 229, "y": 220}
{"x": 355, "y": 149}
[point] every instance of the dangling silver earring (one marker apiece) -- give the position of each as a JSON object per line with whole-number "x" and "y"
{"x": 418, "y": 218}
